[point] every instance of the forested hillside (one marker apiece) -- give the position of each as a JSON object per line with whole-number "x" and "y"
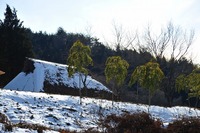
{"x": 18, "y": 42}
{"x": 55, "y": 48}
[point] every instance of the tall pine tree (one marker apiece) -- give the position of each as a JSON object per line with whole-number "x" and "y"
{"x": 15, "y": 45}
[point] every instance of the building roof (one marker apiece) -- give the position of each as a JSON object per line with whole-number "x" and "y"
{"x": 53, "y": 73}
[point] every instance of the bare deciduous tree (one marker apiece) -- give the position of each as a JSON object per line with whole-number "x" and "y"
{"x": 172, "y": 43}
{"x": 88, "y": 30}
{"x": 156, "y": 44}
{"x": 122, "y": 39}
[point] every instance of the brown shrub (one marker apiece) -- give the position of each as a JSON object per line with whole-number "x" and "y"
{"x": 185, "y": 125}
{"x": 133, "y": 123}
{"x": 7, "y": 124}
{"x": 91, "y": 130}
{"x": 4, "y": 119}
{"x": 37, "y": 127}
{"x": 66, "y": 131}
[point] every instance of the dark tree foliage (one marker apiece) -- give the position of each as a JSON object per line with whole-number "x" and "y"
{"x": 99, "y": 55}
{"x": 55, "y": 47}
{"x": 15, "y": 45}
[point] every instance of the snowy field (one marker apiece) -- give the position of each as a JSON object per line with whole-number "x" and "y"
{"x": 65, "y": 112}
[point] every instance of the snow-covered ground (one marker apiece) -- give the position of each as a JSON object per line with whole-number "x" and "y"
{"x": 65, "y": 112}
{"x": 54, "y": 73}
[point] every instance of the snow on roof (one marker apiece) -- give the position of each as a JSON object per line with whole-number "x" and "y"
{"x": 54, "y": 73}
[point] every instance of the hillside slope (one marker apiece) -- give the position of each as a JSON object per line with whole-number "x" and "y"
{"x": 65, "y": 112}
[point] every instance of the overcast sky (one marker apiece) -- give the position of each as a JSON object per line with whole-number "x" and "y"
{"x": 76, "y": 15}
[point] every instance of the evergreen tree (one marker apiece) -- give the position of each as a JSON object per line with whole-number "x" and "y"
{"x": 148, "y": 76}
{"x": 79, "y": 58}
{"x": 15, "y": 45}
{"x": 116, "y": 70}
{"x": 190, "y": 83}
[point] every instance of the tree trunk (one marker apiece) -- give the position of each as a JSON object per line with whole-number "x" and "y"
{"x": 80, "y": 94}
{"x": 137, "y": 97}
{"x": 114, "y": 86}
{"x": 149, "y": 101}
{"x": 189, "y": 105}
{"x": 118, "y": 92}
{"x": 112, "y": 98}
{"x": 149, "y": 98}
{"x": 113, "y": 95}
{"x": 84, "y": 85}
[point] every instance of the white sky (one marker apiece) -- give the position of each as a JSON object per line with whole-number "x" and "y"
{"x": 76, "y": 15}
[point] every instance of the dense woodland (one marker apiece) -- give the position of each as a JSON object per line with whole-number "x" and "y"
{"x": 18, "y": 42}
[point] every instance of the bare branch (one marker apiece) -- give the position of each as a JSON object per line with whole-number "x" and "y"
{"x": 170, "y": 38}
{"x": 88, "y": 30}
{"x": 188, "y": 40}
{"x": 130, "y": 38}
{"x": 157, "y": 44}
{"x": 118, "y": 33}
{"x": 122, "y": 39}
